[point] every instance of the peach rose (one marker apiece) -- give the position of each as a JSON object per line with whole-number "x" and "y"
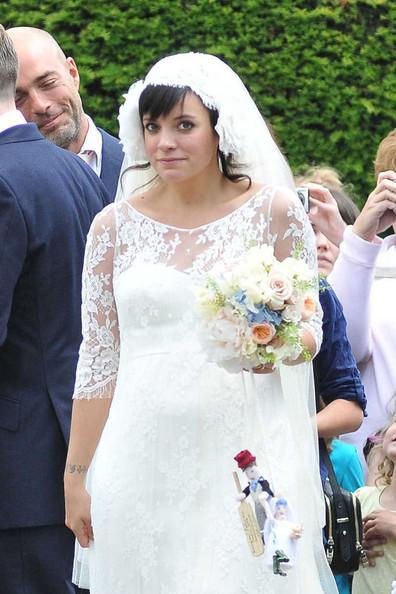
{"x": 309, "y": 308}
{"x": 263, "y": 333}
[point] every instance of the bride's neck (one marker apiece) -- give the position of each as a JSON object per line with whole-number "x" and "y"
{"x": 205, "y": 190}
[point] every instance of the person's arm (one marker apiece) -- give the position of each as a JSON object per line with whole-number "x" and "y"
{"x": 95, "y": 382}
{"x": 291, "y": 234}
{"x": 88, "y": 419}
{"x": 13, "y": 250}
{"x": 353, "y": 273}
{"x": 337, "y": 377}
{"x": 352, "y": 279}
{"x": 338, "y": 417}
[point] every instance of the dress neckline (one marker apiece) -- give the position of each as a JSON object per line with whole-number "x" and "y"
{"x": 205, "y": 225}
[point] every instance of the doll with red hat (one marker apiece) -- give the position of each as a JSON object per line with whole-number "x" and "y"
{"x": 258, "y": 487}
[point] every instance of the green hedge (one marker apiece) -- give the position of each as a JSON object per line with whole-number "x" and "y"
{"x": 323, "y": 73}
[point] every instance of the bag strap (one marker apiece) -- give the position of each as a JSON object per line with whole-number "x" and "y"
{"x": 340, "y": 506}
{"x": 335, "y": 487}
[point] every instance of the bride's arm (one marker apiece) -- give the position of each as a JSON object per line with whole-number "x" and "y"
{"x": 96, "y": 371}
{"x": 290, "y": 233}
{"x": 88, "y": 419}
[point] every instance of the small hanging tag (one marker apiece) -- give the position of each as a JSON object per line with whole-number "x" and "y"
{"x": 249, "y": 523}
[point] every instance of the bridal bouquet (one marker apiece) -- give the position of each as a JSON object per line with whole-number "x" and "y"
{"x": 253, "y": 309}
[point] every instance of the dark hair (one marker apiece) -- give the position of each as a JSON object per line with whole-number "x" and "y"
{"x": 159, "y": 100}
{"x": 8, "y": 67}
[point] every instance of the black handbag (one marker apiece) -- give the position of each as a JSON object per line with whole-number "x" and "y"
{"x": 343, "y": 530}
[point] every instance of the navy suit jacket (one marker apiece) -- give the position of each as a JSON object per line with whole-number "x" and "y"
{"x": 48, "y": 198}
{"x": 112, "y": 157}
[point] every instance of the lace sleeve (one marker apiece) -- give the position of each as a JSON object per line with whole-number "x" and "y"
{"x": 99, "y": 352}
{"x": 290, "y": 233}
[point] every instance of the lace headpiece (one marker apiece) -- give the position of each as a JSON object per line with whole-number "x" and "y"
{"x": 242, "y": 130}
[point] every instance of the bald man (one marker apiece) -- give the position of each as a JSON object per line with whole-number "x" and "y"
{"x": 48, "y": 199}
{"x": 47, "y": 94}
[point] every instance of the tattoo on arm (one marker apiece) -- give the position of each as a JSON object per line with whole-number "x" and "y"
{"x": 77, "y": 469}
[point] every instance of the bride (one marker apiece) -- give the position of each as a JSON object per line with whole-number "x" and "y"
{"x": 149, "y": 482}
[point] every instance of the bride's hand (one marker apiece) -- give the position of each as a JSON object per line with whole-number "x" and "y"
{"x": 265, "y": 368}
{"x": 268, "y": 367}
{"x": 78, "y": 514}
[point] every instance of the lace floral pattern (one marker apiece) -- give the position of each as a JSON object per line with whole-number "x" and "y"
{"x": 122, "y": 238}
{"x": 164, "y": 509}
{"x": 99, "y": 351}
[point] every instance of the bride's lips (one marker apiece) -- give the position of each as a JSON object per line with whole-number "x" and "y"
{"x": 170, "y": 159}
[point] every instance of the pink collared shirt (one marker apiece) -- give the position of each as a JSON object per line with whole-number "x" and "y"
{"x": 91, "y": 150}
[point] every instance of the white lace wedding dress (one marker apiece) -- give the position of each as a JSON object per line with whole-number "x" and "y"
{"x": 164, "y": 509}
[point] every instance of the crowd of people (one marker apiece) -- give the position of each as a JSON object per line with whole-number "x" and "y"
{"x": 117, "y": 434}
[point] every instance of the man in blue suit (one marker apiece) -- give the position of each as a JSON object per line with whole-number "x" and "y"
{"x": 47, "y": 94}
{"x": 48, "y": 198}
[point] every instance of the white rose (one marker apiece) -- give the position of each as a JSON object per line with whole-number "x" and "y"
{"x": 293, "y": 312}
{"x": 281, "y": 284}
{"x": 224, "y": 337}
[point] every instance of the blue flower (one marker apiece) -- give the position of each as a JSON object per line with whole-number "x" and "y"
{"x": 264, "y": 314}
{"x": 240, "y": 296}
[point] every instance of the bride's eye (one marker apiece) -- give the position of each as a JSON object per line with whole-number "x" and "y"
{"x": 150, "y": 126}
{"x": 186, "y": 125}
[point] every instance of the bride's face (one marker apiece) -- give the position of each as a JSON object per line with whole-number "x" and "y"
{"x": 182, "y": 144}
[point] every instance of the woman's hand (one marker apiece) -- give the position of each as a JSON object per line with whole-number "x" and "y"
{"x": 309, "y": 344}
{"x": 266, "y": 368}
{"x": 378, "y": 528}
{"x": 379, "y": 212}
{"x": 380, "y": 525}
{"x": 78, "y": 513}
{"x": 324, "y": 214}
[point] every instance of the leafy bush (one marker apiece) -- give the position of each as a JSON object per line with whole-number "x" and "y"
{"x": 323, "y": 73}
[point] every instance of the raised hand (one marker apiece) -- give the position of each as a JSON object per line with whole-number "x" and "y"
{"x": 324, "y": 214}
{"x": 379, "y": 212}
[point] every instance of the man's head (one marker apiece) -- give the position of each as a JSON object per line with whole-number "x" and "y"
{"x": 47, "y": 88}
{"x": 8, "y": 71}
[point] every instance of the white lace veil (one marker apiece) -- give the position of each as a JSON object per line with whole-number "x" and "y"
{"x": 242, "y": 130}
